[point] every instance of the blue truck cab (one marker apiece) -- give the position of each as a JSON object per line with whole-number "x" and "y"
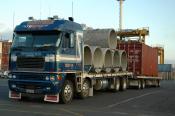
{"x": 44, "y": 54}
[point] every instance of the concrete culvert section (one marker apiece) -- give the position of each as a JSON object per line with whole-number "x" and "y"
{"x": 87, "y": 57}
{"x": 105, "y": 38}
{"x": 107, "y": 59}
{"x": 97, "y": 58}
{"x": 123, "y": 60}
{"x": 116, "y": 60}
{"x": 112, "y": 41}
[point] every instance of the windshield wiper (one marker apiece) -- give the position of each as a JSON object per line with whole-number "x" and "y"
{"x": 18, "y": 48}
{"x": 44, "y": 47}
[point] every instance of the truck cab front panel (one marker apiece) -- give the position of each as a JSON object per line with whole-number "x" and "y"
{"x": 36, "y": 83}
{"x": 42, "y": 53}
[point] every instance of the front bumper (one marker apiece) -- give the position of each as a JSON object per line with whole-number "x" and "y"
{"x": 34, "y": 83}
{"x": 34, "y": 87}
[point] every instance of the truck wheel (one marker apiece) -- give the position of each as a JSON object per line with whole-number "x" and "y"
{"x": 123, "y": 85}
{"x": 117, "y": 85}
{"x": 139, "y": 85}
{"x": 158, "y": 81}
{"x": 155, "y": 83}
{"x": 85, "y": 89}
{"x": 67, "y": 92}
{"x": 142, "y": 84}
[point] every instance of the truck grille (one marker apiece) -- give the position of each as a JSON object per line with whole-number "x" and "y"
{"x": 30, "y": 63}
{"x": 31, "y": 77}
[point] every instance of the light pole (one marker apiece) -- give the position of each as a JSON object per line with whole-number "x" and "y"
{"x": 120, "y": 14}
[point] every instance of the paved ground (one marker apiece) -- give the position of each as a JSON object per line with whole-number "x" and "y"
{"x": 147, "y": 102}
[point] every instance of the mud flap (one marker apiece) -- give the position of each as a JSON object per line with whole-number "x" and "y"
{"x": 52, "y": 98}
{"x": 91, "y": 91}
{"x": 14, "y": 95}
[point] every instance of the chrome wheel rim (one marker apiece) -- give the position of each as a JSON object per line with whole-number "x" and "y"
{"x": 85, "y": 89}
{"x": 139, "y": 85}
{"x": 68, "y": 92}
{"x": 117, "y": 84}
{"x": 124, "y": 84}
{"x": 143, "y": 85}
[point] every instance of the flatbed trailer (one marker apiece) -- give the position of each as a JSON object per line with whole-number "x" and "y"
{"x": 116, "y": 81}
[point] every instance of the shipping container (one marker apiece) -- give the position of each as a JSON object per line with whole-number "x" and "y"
{"x": 4, "y": 55}
{"x": 164, "y": 67}
{"x": 142, "y": 59}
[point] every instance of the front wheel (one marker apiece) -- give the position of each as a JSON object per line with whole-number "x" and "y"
{"x": 85, "y": 89}
{"x": 67, "y": 92}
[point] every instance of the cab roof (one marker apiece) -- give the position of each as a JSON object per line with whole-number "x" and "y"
{"x": 48, "y": 25}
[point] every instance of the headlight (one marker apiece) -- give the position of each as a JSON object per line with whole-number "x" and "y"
{"x": 13, "y": 57}
{"x": 14, "y": 76}
{"x": 49, "y": 58}
{"x": 47, "y": 78}
{"x": 13, "y": 86}
{"x": 48, "y": 88}
{"x": 10, "y": 76}
{"x": 52, "y": 78}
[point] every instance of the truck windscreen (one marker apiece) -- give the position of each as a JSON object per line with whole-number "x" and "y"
{"x": 36, "y": 41}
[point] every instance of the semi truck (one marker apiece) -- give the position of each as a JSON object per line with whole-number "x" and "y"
{"x": 50, "y": 58}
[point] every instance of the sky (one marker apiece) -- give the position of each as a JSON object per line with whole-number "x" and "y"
{"x": 158, "y": 15}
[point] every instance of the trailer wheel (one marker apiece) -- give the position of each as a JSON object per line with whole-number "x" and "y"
{"x": 155, "y": 83}
{"x": 123, "y": 85}
{"x": 158, "y": 81}
{"x": 142, "y": 84}
{"x": 117, "y": 85}
{"x": 139, "y": 84}
{"x": 67, "y": 92}
{"x": 85, "y": 89}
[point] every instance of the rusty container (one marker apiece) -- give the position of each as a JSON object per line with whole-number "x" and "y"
{"x": 4, "y": 55}
{"x": 142, "y": 59}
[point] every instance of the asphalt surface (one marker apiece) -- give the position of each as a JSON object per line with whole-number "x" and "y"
{"x": 146, "y": 102}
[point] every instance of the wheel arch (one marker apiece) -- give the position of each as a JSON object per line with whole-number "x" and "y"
{"x": 71, "y": 77}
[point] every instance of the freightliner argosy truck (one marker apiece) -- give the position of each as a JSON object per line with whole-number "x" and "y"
{"x": 46, "y": 59}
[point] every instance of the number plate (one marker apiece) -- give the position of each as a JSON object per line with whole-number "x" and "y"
{"x": 30, "y": 91}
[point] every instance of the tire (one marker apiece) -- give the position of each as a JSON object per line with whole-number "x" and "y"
{"x": 158, "y": 81}
{"x": 117, "y": 85}
{"x": 155, "y": 83}
{"x": 142, "y": 84}
{"x": 67, "y": 92}
{"x": 139, "y": 84}
{"x": 123, "y": 85}
{"x": 85, "y": 89}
